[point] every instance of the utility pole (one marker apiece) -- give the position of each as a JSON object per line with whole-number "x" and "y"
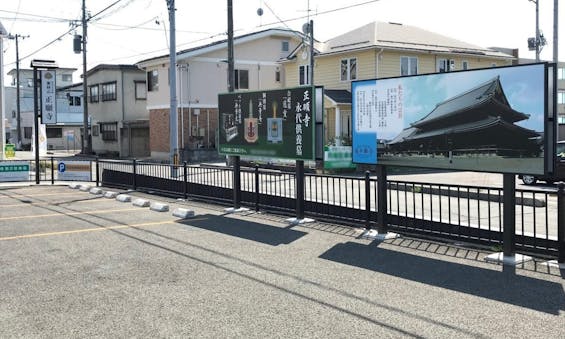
{"x": 85, "y": 142}
{"x": 17, "y": 37}
{"x": 555, "y": 29}
{"x": 173, "y": 120}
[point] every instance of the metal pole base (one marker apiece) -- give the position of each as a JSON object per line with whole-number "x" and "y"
{"x": 296, "y": 221}
{"x": 511, "y": 260}
{"x": 375, "y": 235}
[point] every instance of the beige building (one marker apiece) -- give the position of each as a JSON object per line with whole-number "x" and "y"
{"x": 201, "y": 76}
{"x": 116, "y": 105}
{"x": 379, "y": 50}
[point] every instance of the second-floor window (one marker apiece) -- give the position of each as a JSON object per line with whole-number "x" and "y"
{"x": 408, "y": 65}
{"x": 140, "y": 90}
{"x": 561, "y": 73}
{"x": 109, "y": 131}
{"x": 445, "y": 65}
{"x": 241, "y": 79}
{"x": 74, "y": 100}
{"x": 93, "y": 93}
{"x": 153, "y": 80}
{"x": 348, "y": 69}
{"x": 464, "y": 65}
{"x": 561, "y": 97}
{"x": 67, "y": 77}
{"x": 109, "y": 91}
{"x": 284, "y": 46}
{"x": 304, "y": 75}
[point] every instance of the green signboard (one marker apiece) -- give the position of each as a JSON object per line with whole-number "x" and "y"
{"x": 338, "y": 157}
{"x": 10, "y": 150}
{"x": 14, "y": 170}
{"x": 276, "y": 123}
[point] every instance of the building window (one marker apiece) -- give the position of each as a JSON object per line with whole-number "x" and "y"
{"x": 285, "y": 46}
{"x": 493, "y": 64}
{"x": 108, "y": 91}
{"x": 561, "y": 97}
{"x": 54, "y": 132}
{"x": 109, "y": 131}
{"x": 464, "y": 65}
{"x": 304, "y": 75}
{"x": 561, "y": 119}
{"x": 67, "y": 77}
{"x": 408, "y": 65}
{"x": 27, "y": 132}
{"x": 445, "y": 65}
{"x": 13, "y": 114}
{"x": 93, "y": 93}
{"x": 95, "y": 130}
{"x": 153, "y": 80}
{"x": 348, "y": 69}
{"x": 241, "y": 79}
{"x": 277, "y": 75}
{"x": 561, "y": 73}
{"x": 73, "y": 100}
{"x": 29, "y": 82}
{"x": 140, "y": 90}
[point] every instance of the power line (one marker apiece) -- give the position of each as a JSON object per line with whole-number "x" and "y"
{"x": 51, "y": 18}
{"x": 319, "y": 13}
{"x": 125, "y": 27}
{"x": 68, "y": 31}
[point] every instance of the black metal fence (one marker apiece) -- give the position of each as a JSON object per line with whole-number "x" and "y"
{"x": 459, "y": 213}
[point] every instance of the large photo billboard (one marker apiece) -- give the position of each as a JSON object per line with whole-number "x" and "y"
{"x": 492, "y": 120}
{"x": 275, "y": 123}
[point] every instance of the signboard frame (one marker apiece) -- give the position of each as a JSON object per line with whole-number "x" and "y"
{"x": 278, "y": 123}
{"x": 410, "y": 143}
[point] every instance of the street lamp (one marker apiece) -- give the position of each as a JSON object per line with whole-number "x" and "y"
{"x": 539, "y": 41}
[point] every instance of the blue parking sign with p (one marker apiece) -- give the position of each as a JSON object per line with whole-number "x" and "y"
{"x": 62, "y": 167}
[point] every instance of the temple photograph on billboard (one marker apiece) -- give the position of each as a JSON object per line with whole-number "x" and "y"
{"x": 492, "y": 120}
{"x": 275, "y": 123}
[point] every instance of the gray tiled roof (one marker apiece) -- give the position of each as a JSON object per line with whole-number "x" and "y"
{"x": 475, "y": 97}
{"x": 398, "y": 36}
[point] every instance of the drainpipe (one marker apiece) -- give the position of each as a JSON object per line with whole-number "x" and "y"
{"x": 377, "y": 56}
{"x": 124, "y": 118}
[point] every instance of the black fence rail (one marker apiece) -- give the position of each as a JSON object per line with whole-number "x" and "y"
{"x": 459, "y": 213}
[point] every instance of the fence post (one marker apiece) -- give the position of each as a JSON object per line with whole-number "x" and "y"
{"x": 134, "y": 183}
{"x": 97, "y": 171}
{"x": 52, "y": 172}
{"x": 561, "y": 223}
{"x": 299, "y": 189}
{"x": 256, "y": 188}
{"x": 509, "y": 214}
{"x": 382, "y": 209}
{"x": 185, "y": 178}
{"x": 368, "y": 199}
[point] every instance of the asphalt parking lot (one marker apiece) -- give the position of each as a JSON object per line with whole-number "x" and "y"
{"x": 75, "y": 264}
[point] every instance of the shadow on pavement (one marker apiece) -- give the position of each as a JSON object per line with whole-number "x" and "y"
{"x": 245, "y": 229}
{"x": 505, "y": 286}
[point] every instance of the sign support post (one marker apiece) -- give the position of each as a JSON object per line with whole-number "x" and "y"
{"x": 508, "y": 256}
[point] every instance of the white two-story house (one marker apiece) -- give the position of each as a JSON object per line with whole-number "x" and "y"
{"x": 201, "y": 76}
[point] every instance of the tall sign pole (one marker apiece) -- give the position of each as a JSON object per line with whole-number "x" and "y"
{"x": 231, "y": 74}
{"x": 173, "y": 120}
